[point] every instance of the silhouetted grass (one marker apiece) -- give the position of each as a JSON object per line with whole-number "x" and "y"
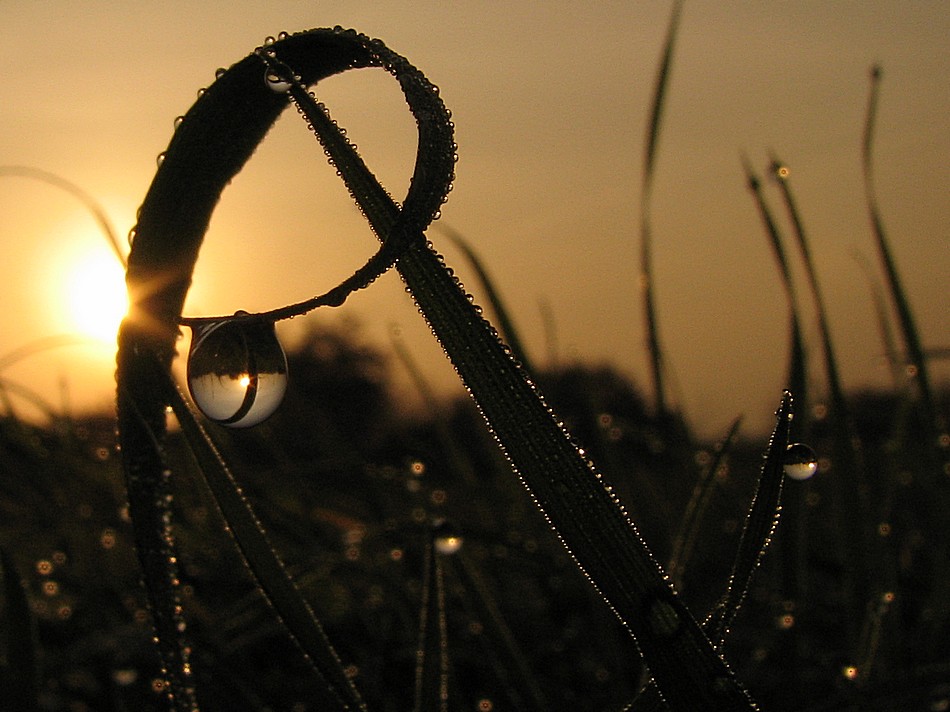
{"x": 260, "y": 547}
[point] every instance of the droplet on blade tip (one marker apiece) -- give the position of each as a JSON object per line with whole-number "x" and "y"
{"x": 800, "y": 461}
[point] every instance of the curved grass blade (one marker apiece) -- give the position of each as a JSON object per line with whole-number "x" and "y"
{"x": 584, "y": 513}
{"x": 105, "y": 224}
{"x": 838, "y": 401}
{"x": 797, "y": 361}
{"x": 564, "y": 483}
{"x": 19, "y": 674}
{"x": 505, "y": 323}
{"x": 760, "y": 525}
{"x": 261, "y": 558}
{"x": 646, "y": 237}
{"x": 211, "y": 144}
{"x": 684, "y": 541}
{"x": 853, "y": 509}
{"x": 892, "y": 355}
{"x": 936, "y": 425}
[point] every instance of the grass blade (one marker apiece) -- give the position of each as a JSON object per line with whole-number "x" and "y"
{"x": 684, "y": 541}
{"x": 432, "y": 654}
{"x": 567, "y": 488}
{"x": 212, "y": 143}
{"x": 892, "y": 355}
{"x": 646, "y": 237}
{"x": 505, "y": 324}
{"x": 261, "y": 559}
{"x": 91, "y": 204}
{"x": 797, "y": 378}
{"x": 760, "y": 525}
{"x": 853, "y": 509}
{"x": 935, "y": 425}
{"x": 912, "y": 342}
{"x": 564, "y": 483}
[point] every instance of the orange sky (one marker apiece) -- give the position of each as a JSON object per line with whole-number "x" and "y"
{"x": 550, "y": 104}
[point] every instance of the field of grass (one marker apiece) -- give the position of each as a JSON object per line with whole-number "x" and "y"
{"x": 576, "y": 550}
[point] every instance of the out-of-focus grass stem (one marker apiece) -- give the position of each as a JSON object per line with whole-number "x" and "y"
{"x": 646, "y": 237}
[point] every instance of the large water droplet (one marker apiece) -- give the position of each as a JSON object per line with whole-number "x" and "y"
{"x": 800, "y": 462}
{"x": 237, "y": 371}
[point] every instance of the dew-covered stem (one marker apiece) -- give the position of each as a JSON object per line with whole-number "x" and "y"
{"x": 210, "y": 145}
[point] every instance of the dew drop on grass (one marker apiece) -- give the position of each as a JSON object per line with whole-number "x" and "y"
{"x": 237, "y": 371}
{"x": 275, "y": 82}
{"x": 800, "y": 461}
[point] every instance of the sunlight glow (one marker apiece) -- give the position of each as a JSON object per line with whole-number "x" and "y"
{"x": 94, "y": 295}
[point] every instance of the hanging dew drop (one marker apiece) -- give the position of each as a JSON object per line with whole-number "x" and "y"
{"x": 800, "y": 462}
{"x": 237, "y": 371}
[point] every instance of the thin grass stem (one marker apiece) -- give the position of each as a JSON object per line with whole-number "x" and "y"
{"x": 105, "y": 224}
{"x": 647, "y": 277}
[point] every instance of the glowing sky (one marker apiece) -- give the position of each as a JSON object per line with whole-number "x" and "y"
{"x": 550, "y": 102}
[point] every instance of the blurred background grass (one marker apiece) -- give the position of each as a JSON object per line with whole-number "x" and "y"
{"x": 347, "y": 483}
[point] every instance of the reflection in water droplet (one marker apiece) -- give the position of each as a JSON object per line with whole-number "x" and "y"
{"x": 275, "y": 82}
{"x": 237, "y": 371}
{"x": 801, "y": 462}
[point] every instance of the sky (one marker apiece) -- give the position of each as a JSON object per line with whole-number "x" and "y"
{"x": 550, "y": 102}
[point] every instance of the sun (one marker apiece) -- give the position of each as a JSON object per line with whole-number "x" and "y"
{"x": 94, "y": 295}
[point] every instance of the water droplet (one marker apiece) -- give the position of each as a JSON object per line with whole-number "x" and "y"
{"x": 178, "y": 121}
{"x": 237, "y": 371}
{"x": 219, "y": 72}
{"x": 160, "y": 158}
{"x": 800, "y": 462}
{"x": 269, "y": 40}
{"x": 275, "y": 82}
